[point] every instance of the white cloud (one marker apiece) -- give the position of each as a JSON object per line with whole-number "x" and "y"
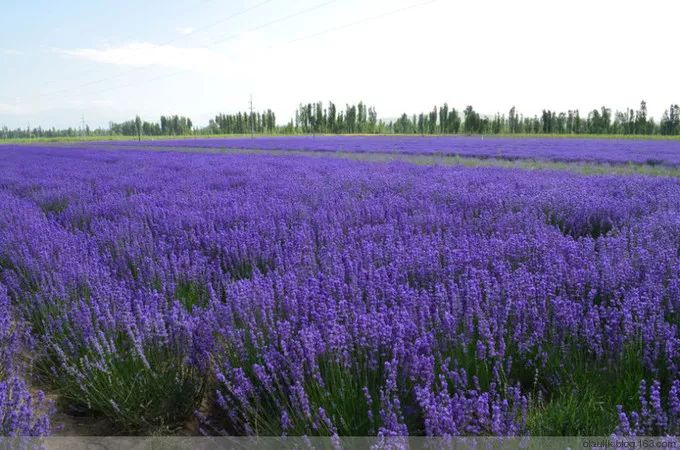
{"x": 236, "y": 54}
{"x": 147, "y": 54}
{"x": 17, "y": 109}
{"x": 185, "y": 30}
{"x": 11, "y": 51}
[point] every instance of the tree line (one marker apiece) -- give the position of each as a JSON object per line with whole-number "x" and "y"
{"x": 242, "y": 123}
{"x": 312, "y": 118}
{"x": 168, "y": 126}
{"x": 359, "y": 118}
{"x": 445, "y": 120}
{"x": 315, "y": 118}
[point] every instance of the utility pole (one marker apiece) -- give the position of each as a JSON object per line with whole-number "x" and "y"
{"x": 252, "y": 118}
{"x": 82, "y": 124}
{"x": 138, "y": 125}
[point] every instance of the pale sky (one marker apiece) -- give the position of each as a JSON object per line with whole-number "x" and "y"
{"x": 109, "y": 60}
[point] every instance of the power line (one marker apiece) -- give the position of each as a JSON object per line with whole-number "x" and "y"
{"x": 216, "y": 42}
{"x": 361, "y": 21}
{"x": 170, "y": 41}
{"x": 252, "y": 121}
{"x": 273, "y": 22}
{"x": 132, "y": 35}
{"x": 219, "y": 22}
{"x": 290, "y": 16}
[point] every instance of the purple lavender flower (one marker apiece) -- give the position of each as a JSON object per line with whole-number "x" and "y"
{"x": 21, "y": 413}
{"x": 328, "y": 296}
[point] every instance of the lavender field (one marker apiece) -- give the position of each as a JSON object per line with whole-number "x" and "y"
{"x": 269, "y": 295}
{"x": 613, "y": 151}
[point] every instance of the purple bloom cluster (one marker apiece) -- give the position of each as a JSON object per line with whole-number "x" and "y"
{"x": 666, "y": 152}
{"x": 9, "y": 336}
{"x": 334, "y": 297}
{"x": 21, "y": 413}
{"x": 652, "y": 418}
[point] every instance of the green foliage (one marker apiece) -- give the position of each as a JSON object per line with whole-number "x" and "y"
{"x": 584, "y": 402}
{"x": 362, "y": 119}
{"x": 343, "y": 398}
{"x": 191, "y": 294}
{"x": 355, "y": 119}
{"x": 153, "y": 393}
{"x": 54, "y": 206}
{"x": 245, "y": 269}
{"x": 243, "y": 123}
{"x": 572, "y": 393}
{"x": 336, "y": 392}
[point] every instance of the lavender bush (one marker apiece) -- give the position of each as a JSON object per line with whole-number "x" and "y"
{"x": 321, "y": 296}
{"x": 618, "y": 151}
